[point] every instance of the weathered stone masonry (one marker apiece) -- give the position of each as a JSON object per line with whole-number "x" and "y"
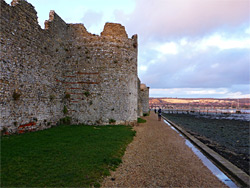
{"x": 64, "y": 71}
{"x": 144, "y": 98}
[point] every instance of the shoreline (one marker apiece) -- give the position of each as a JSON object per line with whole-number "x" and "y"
{"x": 229, "y": 138}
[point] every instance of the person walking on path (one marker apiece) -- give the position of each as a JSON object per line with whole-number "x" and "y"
{"x": 159, "y": 114}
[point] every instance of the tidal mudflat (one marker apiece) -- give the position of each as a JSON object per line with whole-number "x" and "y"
{"x": 229, "y": 138}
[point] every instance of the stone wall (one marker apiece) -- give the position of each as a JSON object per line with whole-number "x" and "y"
{"x": 64, "y": 71}
{"x": 139, "y": 107}
{"x": 28, "y": 70}
{"x": 144, "y": 98}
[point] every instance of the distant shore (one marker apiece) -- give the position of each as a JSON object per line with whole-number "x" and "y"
{"x": 200, "y": 103}
{"x": 229, "y": 138}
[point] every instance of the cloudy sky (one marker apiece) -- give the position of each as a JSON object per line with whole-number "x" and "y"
{"x": 187, "y": 48}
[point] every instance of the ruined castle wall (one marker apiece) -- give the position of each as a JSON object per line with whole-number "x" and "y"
{"x": 63, "y": 66}
{"x": 139, "y": 105}
{"x": 29, "y": 92}
{"x": 144, "y": 98}
{"x": 103, "y": 83}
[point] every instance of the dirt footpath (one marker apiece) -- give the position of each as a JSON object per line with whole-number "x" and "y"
{"x": 158, "y": 157}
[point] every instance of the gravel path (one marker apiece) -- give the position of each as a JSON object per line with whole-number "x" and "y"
{"x": 158, "y": 157}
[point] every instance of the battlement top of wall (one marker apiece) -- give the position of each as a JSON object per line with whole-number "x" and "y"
{"x": 23, "y": 2}
{"x": 114, "y": 29}
{"x": 56, "y": 24}
{"x": 53, "y": 17}
{"x": 15, "y": 2}
{"x": 80, "y": 30}
{"x": 143, "y": 87}
{"x": 23, "y": 8}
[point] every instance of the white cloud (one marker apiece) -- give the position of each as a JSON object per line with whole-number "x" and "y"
{"x": 168, "y": 48}
{"x": 247, "y": 31}
{"x": 223, "y": 43}
{"x": 92, "y": 17}
{"x": 143, "y": 68}
{"x": 161, "y": 18}
{"x": 183, "y": 42}
{"x": 189, "y": 91}
{"x": 196, "y": 92}
{"x": 237, "y": 95}
{"x": 201, "y": 91}
{"x": 199, "y": 62}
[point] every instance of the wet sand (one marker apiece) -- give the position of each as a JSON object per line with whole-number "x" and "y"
{"x": 159, "y": 157}
{"x": 229, "y": 138}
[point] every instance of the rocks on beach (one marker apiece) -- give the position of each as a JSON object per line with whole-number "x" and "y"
{"x": 229, "y": 138}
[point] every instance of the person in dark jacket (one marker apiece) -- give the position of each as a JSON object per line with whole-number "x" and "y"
{"x": 159, "y": 114}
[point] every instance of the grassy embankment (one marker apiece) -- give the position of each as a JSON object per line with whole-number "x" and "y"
{"x": 140, "y": 120}
{"x": 63, "y": 156}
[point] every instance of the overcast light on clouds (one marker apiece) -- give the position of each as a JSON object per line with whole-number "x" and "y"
{"x": 187, "y": 48}
{"x": 193, "y": 48}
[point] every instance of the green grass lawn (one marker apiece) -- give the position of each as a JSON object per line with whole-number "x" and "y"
{"x": 63, "y": 156}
